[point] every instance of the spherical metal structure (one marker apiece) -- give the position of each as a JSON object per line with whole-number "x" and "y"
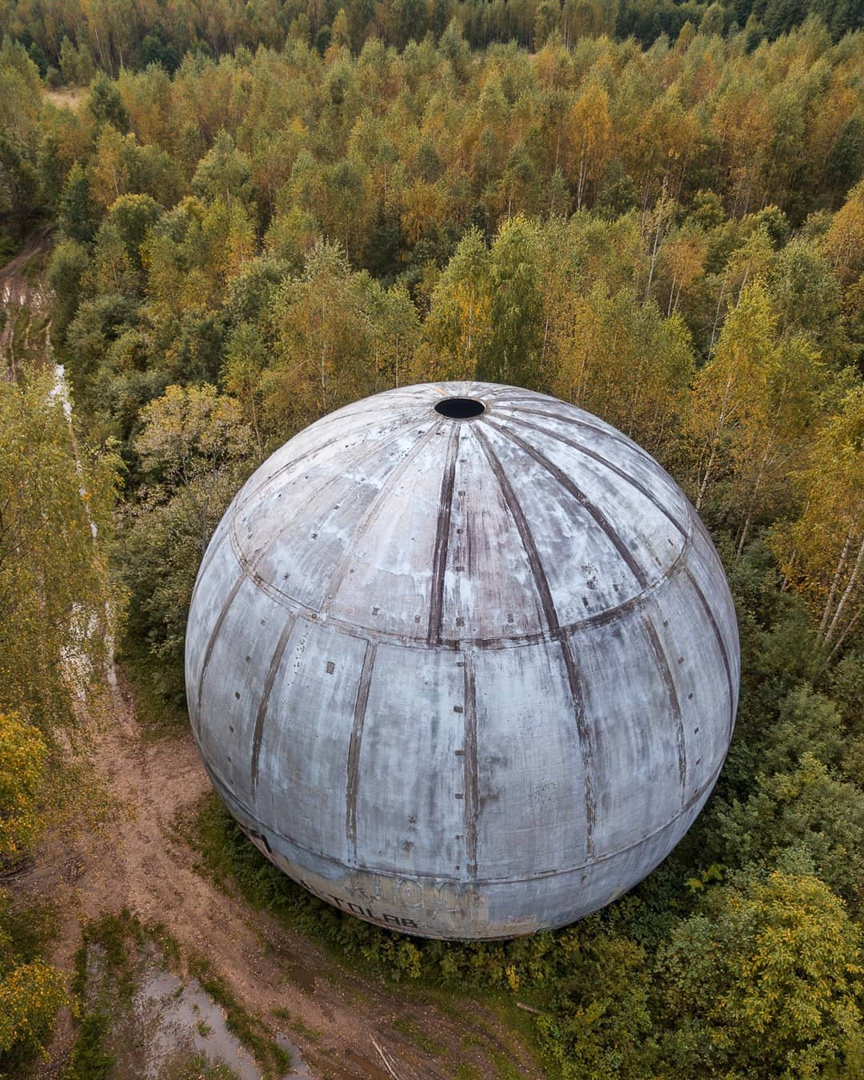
{"x": 462, "y": 660}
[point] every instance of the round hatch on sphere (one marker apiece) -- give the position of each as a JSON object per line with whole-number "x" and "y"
{"x": 462, "y": 660}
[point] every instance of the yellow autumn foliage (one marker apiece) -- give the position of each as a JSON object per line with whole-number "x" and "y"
{"x": 23, "y": 756}
{"x": 30, "y": 996}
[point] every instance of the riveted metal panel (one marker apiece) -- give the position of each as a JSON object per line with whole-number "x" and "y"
{"x": 467, "y": 678}
{"x": 534, "y": 802}
{"x": 413, "y": 820}
{"x": 305, "y": 739}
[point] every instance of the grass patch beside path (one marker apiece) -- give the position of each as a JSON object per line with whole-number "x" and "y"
{"x": 429, "y": 972}
{"x": 251, "y": 1032}
{"x": 160, "y": 705}
{"x": 116, "y": 953}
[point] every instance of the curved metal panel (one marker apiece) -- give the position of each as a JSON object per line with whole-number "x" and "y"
{"x": 466, "y": 677}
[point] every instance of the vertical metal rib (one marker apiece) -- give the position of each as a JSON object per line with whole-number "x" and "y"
{"x": 275, "y": 662}
{"x": 605, "y": 462}
{"x": 211, "y": 642}
{"x": 354, "y": 744}
{"x": 721, "y": 643}
{"x": 551, "y": 616}
{"x": 669, "y": 682}
{"x": 472, "y": 779}
{"x": 442, "y": 539}
{"x": 596, "y": 513}
{"x": 525, "y": 534}
{"x": 586, "y": 746}
{"x": 379, "y": 505}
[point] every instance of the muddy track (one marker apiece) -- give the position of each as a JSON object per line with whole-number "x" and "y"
{"x": 24, "y": 307}
{"x": 343, "y": 1024}
{"x": 139, "y": 861}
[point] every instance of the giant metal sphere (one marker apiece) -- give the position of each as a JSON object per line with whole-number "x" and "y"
{"x": 462, "y": 660}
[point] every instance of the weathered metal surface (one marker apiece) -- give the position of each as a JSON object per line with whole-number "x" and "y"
{"x": 469, "y": 678}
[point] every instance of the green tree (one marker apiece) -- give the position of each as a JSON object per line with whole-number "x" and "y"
{"x": 806, "y": 809}
{"x": 750, "y": 411}
{"x": 23, "y": 762}
{"x": 844, "y": 241}
{"x": 67, "y": 266}
{"x": 806, "y": 297}
{"x": 20, "y": 197}
{"x": 133, "y": 216}
{"x": 53, "y": 585}
{"x": 822, "y": 552}
{"x": 334, "y": 341}
{"x": 601, "y": 1025}
{"x": 621, "y": 360}
{"x": 246, "y": 358}
{"x": 194, "y": 453}
{"x": 189, "y": 436}
{"x": 458, "y": 326}
{"x": 78, "y": 217}
{"x": 30, "y": 996}
{"x": 55, "y": 509}
{"x": 764, "y": 982}
{"x": 510, "y": 351}
{"x": 105, "y": 104}
{"x": 224, "y": 173}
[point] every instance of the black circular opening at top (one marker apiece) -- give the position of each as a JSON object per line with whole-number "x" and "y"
{"x": 460, "y": 408}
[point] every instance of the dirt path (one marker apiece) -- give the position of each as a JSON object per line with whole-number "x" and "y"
{"x": 139, "y": 862}
{"x": 338, "y": 1019}
{"x": 24, "y": 307}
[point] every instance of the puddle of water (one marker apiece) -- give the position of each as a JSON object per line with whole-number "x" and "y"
{"x": 299, "y": 1068}
{"x": 171, "y": 1021}
{"x": 303, "y": 978}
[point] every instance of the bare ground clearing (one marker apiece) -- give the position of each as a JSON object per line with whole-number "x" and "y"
{"x": 139, "y": 861}
{"x": 344, "y": 1024}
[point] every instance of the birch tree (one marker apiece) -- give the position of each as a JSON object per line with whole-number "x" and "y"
{"x": 749, "y": 412}
{"x": 620, "y": 359}
{"x": 458, "y": 325}
{"x": 822, "y": 553}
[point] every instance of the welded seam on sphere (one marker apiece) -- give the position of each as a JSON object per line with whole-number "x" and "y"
{"x": 228, "y": 795}
{"x": 370, "y": 517}
{"x": 551, "y": 615}
{"x": 264, "y": 704}
{"x": 665, "y": 670}
{"x": 558, "y": 436}
{"x": 723, "y": 651}
{"x": 442, "y": 539}
{"x": 579, "y": 495}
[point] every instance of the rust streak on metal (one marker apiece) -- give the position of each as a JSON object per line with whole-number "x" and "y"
{"x": 442, "y": 538}
{"x": 518, "y": 515}
{"x": 606, "y": 463}
{"x": 722, "y": 644}
{"x": 586, "y": 745}
{"x": 211, "y": 641}
{"x": 675, "y": 705}
{"x": 261, "y": 715}
{"x": 354, "y": 744}
{"x": 472, "y": 779}
{"x": 371, "y": 515}
{"x": 551, "y": 616}
{"x": 596, "y": 513}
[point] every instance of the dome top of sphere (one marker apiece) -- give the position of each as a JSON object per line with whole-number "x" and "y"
{"x": 395, "y": 519}
{"x": 462, "y": 660}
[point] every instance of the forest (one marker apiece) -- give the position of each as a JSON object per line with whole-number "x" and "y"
{"x": 248, "y": 215}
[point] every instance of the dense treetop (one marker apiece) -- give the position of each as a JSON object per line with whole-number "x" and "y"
{"x": 69, "y": 39}
{"x": 259, "y": 212}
